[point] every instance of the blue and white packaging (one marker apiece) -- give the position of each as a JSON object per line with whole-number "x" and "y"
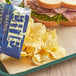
{"x": 13, "y": 25}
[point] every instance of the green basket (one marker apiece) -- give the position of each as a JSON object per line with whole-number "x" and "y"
{"x": 3, "y": 72}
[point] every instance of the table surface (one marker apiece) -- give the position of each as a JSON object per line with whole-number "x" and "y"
{"x": 66, "y": 68}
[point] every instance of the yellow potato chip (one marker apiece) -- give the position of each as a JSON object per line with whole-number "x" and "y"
{"x": 31, "y": 22}
{"x": 31, "y": 50}
{"x": 33, "y": 42}
{"x": 46, "y": 36}
{"x": 45, "y": 58}
{"x": 43, "y": 52}
{"x": 54, "y": 35}
{"x": 49, "y": 35}
{"x": 37, "y": 30}
{"x": 41, "y": 59}
{"x": 23, "y": 47}
{"x": 23, "y": 54}
{"x": 54, "y": 49}
{"x": 41, "y": 44}
{"x": 36, "y": 59}
{"x": 51, "y": 45}
{"x": 59, "y": 53}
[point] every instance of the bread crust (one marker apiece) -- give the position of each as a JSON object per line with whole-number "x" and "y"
{"x": 68, "y": 5}
{"x": 53, "y": 6}
{"x": 54, "y": 24}
{"x": 49, "y": 6}
{"x": 68, "y": 23}
{"x": 47, "y": 24}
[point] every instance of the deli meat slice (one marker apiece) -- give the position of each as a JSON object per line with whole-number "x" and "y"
{"x": 71, "y": 10}
{"x": 70, "y": 15}
{"x": 34, "y": 2}
{"x": 42, "y": 10}
{"x": 60, "y": 10}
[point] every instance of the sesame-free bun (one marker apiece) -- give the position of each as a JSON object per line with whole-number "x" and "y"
{"x": 52, "y": 4}
{"x": 68, "y": 23}
{"x": 54, "y": 24}
{"x": 46, "y": 23}
{"x": 69, "y": 4}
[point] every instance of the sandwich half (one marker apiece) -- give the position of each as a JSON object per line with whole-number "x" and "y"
{"x": 54, "y": 12}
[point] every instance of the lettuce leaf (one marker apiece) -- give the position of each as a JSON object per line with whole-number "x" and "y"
{"x": 7, "y": 1}
{"x": 57, "y": 18}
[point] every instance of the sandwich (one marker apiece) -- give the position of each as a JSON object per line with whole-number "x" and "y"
{"x": 54, "y": 12}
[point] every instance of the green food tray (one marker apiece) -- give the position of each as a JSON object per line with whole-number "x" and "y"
{"x": 3, "y": 72}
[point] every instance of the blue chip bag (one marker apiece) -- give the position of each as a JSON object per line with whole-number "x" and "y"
{"x": 13, "y": 25}
{"x": 1, "y": 24}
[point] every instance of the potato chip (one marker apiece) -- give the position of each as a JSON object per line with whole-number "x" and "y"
{"x": 49, "y": 35}
{"x": 31, "y": 50}
{"x": 37, "y": 30}
{"x": 45, "y": 57}
{"x": 41, "y": 58}
{"x": 59, "y": 53}
{"x": 41, "y": 44}
{"x": 36, "y": 59}
{"x": 51, "y": 45}
{"x": 23, "y": 48}
{"x": 54, "y": 35}
{"x": 46, "y": 36}
{"x": 43, "y": 52}
{"x": 31, "y": 21}
{"x": 33, "y": 42}
{"x": 23, "y": 54}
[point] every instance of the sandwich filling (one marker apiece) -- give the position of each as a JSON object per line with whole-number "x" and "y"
{"x": 57, "y": 15}
{"x": 57, "y": 18}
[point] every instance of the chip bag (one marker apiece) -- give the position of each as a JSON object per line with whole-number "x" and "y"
{"x": 13, "y": 26}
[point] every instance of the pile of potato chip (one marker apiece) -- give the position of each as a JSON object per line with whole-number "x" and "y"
{"x": 41, "y": 44}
